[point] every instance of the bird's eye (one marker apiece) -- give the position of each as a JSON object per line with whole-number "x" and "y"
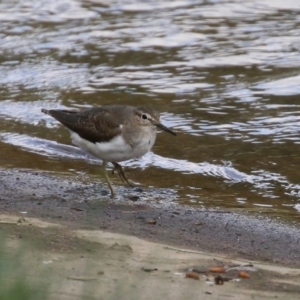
{"x": 144, "y": 116}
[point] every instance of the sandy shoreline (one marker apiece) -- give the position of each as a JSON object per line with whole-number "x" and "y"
{"x": 102, "y": 249}
{"x": 80, "y": 205}
{"x": 95, "y": 264}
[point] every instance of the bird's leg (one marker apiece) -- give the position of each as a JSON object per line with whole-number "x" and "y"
{"x": 113, "y": 193}
{"x": 121, "y": 173}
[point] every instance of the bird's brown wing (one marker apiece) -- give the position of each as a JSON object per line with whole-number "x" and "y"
{"x": 94, "y": 125}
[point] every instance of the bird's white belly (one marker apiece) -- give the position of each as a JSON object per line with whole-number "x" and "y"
{"x": 115, "y": 150}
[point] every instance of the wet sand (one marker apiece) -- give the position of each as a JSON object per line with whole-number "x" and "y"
{"x": 76, "y": 245}
{"x": 85, "y": 205}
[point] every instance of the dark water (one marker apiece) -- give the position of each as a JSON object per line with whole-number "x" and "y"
{"x": 224, "y": 74}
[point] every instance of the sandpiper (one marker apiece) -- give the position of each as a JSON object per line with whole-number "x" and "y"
{"x": 113, "y": 133}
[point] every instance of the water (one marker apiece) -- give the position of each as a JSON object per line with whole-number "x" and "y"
{"x": 224, "y": 74}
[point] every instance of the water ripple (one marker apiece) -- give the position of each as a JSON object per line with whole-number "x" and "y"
{"x": 263, "y": 182}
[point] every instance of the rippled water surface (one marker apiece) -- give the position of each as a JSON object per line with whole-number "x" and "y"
{"x": 224, "y": 74}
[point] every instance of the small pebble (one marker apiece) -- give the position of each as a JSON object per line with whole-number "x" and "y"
{"x": 134, "y": 198}
{"x": 219, "y": 280}
{"x": 151, "y": 222}
{"x": 149, "y": 269}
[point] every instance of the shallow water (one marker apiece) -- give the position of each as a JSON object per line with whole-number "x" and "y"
{"x": 224, "y": 74}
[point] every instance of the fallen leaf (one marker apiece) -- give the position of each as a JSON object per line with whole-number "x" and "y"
{"x": 192, "y": 275}
{"x": 244, "y": 275}
{"x": 217, "y": 270}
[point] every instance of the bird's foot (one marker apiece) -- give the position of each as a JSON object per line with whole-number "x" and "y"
{"x": 121, "y": 174}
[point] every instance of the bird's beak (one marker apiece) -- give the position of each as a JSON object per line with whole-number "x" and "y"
{"x": 163, "y": 127}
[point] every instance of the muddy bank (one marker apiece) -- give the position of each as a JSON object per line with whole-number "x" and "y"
{"x": 85, "y": 205}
